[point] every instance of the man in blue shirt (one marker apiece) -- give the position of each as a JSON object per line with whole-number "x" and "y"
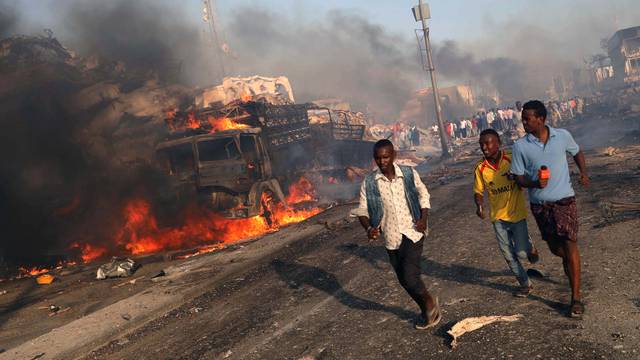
{"x": 553, "y": 202}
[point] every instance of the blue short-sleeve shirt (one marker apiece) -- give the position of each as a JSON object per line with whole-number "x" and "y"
{"x": 529, "y": 154}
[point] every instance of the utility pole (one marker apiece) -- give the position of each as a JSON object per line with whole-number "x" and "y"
{"x": 421, "y": 13}
{"x": 211, "y": 22}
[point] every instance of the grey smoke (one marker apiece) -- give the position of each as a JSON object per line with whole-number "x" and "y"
{"x": 341, "y": 55}
{"x": 504, "y": 74}
{"x": 8, "y": 19}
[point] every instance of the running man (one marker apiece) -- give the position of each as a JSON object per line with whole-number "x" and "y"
{"x": 552, "y": 199}
{"x": 507, "y": 207}
{"x": 394, "y": 202}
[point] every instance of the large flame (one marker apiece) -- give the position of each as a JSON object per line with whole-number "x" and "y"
{"x": 301, "y": 191}
{"x": 141, "y": 234}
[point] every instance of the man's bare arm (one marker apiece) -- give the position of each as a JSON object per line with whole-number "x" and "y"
{"x": 479, "y": 200}
{"x": 421, "y": 225}
{"x": 364, "y": 221}
{"x": 582, "y": 166}
{"x": 525, "y": 182}
{"x": 372, "y": 233}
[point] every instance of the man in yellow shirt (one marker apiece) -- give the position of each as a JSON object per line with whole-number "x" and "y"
{"x": 507, "y": 207}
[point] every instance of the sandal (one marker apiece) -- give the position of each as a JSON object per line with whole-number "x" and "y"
{"x": 576, "y": 309}
{"x": 433, "y": 318}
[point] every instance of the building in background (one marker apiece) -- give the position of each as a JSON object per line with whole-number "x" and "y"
{"x": 624, "y": 52}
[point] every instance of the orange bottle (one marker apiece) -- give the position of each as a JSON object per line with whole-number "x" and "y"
{"x": 544, "y": 173}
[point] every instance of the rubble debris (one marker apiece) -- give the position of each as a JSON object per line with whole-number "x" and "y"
{"x": 159, "y": 274}
{"x": 275, "y": 91}
{"x": 456, "y": 301}
{"x": 613, "y": 207}
{"x": 3, "y": 292}
{"x": 126, "y": 316}
{"x": 33, "y": 50}
{"x": 473, "y": 323}
{"x": 117, "y": 267}
{"x": 130, "y": 282}
{"x": 45, "y": 279}
{"x": 38, "y": 356}
{"x": 60, "y": 311}
{"x": 610, "y": 151}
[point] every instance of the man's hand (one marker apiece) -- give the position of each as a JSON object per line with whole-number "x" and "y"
{"x": 373, "y": 233}
{"x": 509, "y": 176}
{"x": 584, "y": 180}
{"x": 542, "y": 183}
{"x": 421, "y": 225}
{"x": 480, "y": 212}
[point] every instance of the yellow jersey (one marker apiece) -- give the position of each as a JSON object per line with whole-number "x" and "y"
{"x": 506, "y": 198}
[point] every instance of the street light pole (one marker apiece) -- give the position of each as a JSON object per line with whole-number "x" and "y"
{"x": 434, "y": 85}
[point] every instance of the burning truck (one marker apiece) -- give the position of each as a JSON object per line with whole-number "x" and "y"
{"x": 236, "y": 159}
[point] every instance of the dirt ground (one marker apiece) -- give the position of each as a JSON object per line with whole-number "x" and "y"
{"x": 320, "y": 290}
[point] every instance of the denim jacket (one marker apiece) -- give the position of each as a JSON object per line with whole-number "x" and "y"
{"x": 374, "y": 202}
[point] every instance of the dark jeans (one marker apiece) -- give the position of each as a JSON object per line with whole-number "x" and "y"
{"x": 406, "y": 263}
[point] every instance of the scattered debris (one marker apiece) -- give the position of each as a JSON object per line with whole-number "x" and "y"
{"x": 456, "y": 301}
{"x": 123, "y": 342}
{"x": 613, "y": 207}
{"x": 54, "y": 309}
{"x": 195, "y": 310}
{"x": 227, "y": 354}
{"x": 159, "y": 274}
{"x": 38, "y": 356}
{"x": 610, "y": 151}
{"x": 474, "y": 323}
{"x": 117, "y": 267}
{"x": 3, "y": 292}
{"x": 126, "y": 316}
{"x": 131, "y": 282}
{"x": 45, "y": 279}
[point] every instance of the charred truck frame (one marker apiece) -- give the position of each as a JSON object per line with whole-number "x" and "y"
{"x": 267, "y": 147}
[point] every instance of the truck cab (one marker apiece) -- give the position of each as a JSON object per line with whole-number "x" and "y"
{"x": 230, "y": 171}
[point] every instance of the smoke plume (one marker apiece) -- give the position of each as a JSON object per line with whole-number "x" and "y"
{"x": 8, "y": 19}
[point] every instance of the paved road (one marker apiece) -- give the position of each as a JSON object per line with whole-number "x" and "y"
{"x": 333, "y": 295}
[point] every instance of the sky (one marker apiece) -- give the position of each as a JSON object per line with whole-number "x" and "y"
{"x": 465, "y": 21}
{"x": 459, "y": 20}
{"x": 362, "y": 50}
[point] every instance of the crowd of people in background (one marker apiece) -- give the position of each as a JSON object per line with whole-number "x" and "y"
{"x": 508, "y": 119}
{"x": 405, "y": 136}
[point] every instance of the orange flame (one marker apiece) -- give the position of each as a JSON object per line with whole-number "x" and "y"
{"x": 140, "y": 233}
{"x": 222, "y": 124}
{"x": 170, "y": 118}
{"x": 192, "y": 122}
{"x": 89, "y": 252}
{"x": 32, "y": 271}
{"x": 301, "y": 191}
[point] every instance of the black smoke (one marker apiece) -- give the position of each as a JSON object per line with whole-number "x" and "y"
{"x": 503, "y": 74}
